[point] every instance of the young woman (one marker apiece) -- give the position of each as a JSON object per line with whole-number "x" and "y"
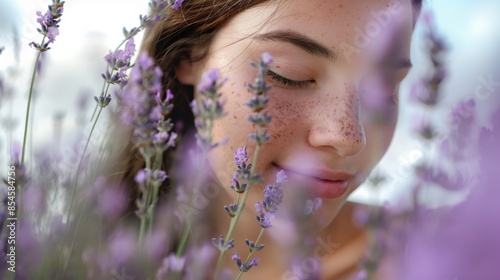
{"x": 332, "y": 61}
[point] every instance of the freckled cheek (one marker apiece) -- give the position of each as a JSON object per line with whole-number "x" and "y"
{"x": 287, "y": 121}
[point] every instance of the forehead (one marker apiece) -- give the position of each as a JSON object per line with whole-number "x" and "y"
{"x": 337, "y": 24}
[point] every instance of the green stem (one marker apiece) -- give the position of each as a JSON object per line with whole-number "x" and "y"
{"x": 25, "y": 135}
{"x": 156, "y": 166}
{"x": 185, "y": 235}
{"x": 80, "y": 162}
{"x": 187, "y": 228}
{"x": 65, "y": 267}
{"x": 104, "y": 90}
{"x": 256, "y": 243}
{"x": 68, "y": 217}
{"x": 144, "y": 219}
{"x": 251, "y": 253}
{"x": 32, "y": 85}
{"x": 235, "y": 219}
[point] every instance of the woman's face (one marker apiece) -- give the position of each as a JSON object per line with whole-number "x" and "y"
{"x": 336, "y": 67}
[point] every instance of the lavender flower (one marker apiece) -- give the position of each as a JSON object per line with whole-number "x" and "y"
{"x": 244, "y": 267}
{"x": 148, "y": 180}
{"x": 112, "y": 202}
{"x": 220, "y": 243}
{"x": 200, "y": 261}
{"x": 49, "y": 25}
{"x": 465, "y": 234}
{"x": 232, "y": 209}
{"x": 207, "y": 108}
{"x": 281, "y": 177}
{"x": 119, "y": 61}
{"x": 362, "y": 275}
{"x": 122, "y": 247}
{"x": 264, "y": 218}
{"x": 237, "y": 187}
{"x": 177, "y": 4}
{"x": 243, "y": 172}
{"x": 313, "y": 205}
{"x": 155, "y": 176}
{"x": 141, "y": 177}
{"x": 208, "y": 83}
{"x": 258, "y": 103}
{"x": 254, "y": 247}
{"x": 145, "y": 110}
{"x": 241, "y": 157}
{"x": 273, "y": 196}
{"x": 156, "y": 13}
{"x": 172, "y": 263}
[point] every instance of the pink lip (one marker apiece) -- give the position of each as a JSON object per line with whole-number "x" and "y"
{"x": 324, "y": 184}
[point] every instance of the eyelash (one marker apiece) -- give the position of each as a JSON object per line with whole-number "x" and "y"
{"x": 287, "y": 82}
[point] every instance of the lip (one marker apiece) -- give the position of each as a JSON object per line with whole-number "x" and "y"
{"x": 322, "y": 183}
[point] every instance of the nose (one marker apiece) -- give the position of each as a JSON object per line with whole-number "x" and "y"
{"x": 337, "y": 126}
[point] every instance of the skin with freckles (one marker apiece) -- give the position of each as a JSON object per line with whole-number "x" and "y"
{"x": 322, "y": 121}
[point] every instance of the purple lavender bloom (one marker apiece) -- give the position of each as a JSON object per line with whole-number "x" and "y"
{"x": 254, "y": 247}
{"x": 173, "y": 263}
{"x": 258, "y": 103}
{"x": 156, "y": 114}
{"x": 52, "y": 33}
{"x": 273, "y": 196}
{"x": 146, "y": 75}
{"x": 200, "y": 261}
{"x": 263, "y": 217}
{"x": 120, "y": 59}
{"x": 141, "y": 176}
{"x": 260, "y": 87}
{"x": 267, "y": 59}
{"x": 122, "y": 247}
{"x": 313, "y": 205}
{"x": 156, "y": 245}
{"x": 207, "y": 108}
{"x": 244, "y": 267}
{"x": 237, "y": 187}
{"x": 112, "y": 202}
{"x": 157, "y": 176}
{"x": 281, "y": 177}
{"x": 241, "y": 157}
{"x": 49, "y": 24}
{"x": 464, "y": 244}
{"x": 220, "y": 243}
{"x": 177, "y": 4}
{"x": 142, "y": 110}
{"x": 232, "y": 209}
{"x": 209, "y": 80}
{"x": 156, "y": 13}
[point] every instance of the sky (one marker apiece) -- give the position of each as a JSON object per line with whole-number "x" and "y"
{"x": 91, "y": 27}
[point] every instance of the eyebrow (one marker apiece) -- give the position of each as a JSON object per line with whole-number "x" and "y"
{"x": 301, "y": 41}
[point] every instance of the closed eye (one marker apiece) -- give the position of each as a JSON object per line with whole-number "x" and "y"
{"x": 288, "y": 82}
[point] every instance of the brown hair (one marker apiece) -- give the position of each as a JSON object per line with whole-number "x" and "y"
{"x": 182, "y": 35}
